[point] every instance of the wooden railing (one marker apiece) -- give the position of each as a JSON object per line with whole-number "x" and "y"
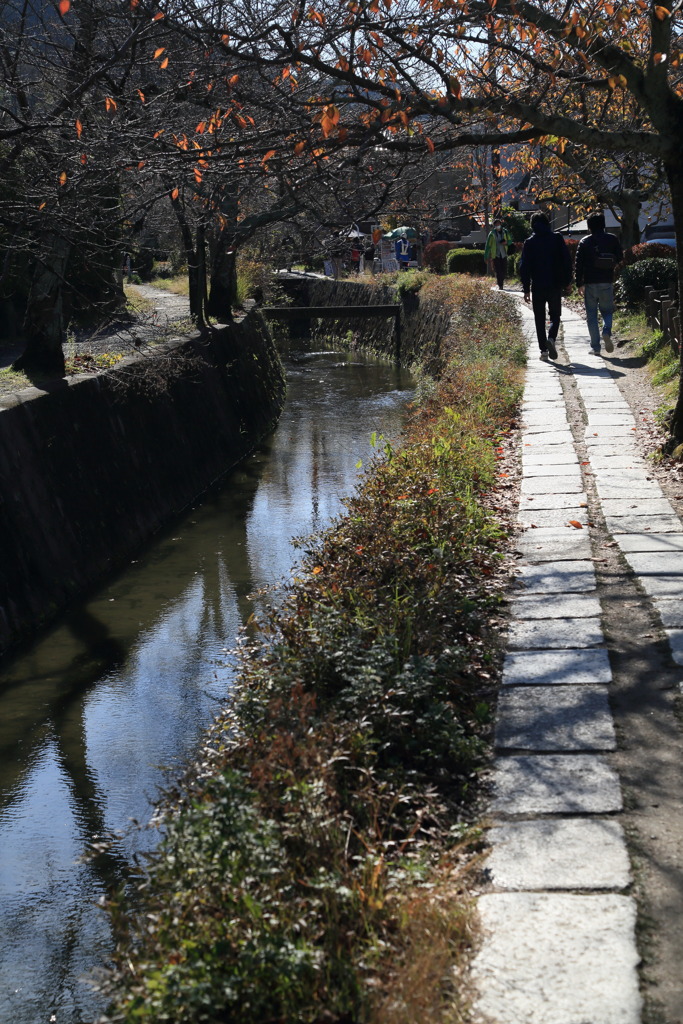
{"x": 663, "y": 314}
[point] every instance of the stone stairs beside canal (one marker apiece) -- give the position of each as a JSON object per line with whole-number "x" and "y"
{"x": 559, "y": 922}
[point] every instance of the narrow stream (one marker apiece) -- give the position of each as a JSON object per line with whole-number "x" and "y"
{"x": 118, "y": 691}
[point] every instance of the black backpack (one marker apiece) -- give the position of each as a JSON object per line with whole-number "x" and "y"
{"x": 604, "y": 258}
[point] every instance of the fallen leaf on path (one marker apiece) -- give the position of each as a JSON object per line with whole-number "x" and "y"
{"x": 576, "y": 524}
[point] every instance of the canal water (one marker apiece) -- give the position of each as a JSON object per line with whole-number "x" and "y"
{"x": 95, "y": 713}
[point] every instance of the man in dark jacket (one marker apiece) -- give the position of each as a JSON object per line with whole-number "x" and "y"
{"x": 596, "y": 259}
{"x": 546, "y": 270}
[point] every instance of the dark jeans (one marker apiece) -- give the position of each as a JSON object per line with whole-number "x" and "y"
{"x": 552, "y": 298}
{"x": 501, "y": 265}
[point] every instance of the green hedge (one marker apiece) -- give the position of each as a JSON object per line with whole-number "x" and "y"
{"x": 465, "y": 261}
{"x": 656, "y": 272}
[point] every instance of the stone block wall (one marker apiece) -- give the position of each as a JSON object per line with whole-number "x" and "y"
{"x": 423, "y": 323}
{"x": 92, "y": 467}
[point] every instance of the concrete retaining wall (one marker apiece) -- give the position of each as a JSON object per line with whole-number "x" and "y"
{"x": 89, "y": 470}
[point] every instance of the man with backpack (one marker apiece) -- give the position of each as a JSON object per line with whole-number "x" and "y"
{"x": 546, "y": 270}
{"x": 596, "y": 260}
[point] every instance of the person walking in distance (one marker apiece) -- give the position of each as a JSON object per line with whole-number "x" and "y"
{"x": 546, "y": 270}
{"x": 496, "y": 250}
{"x": 596, "y": 259}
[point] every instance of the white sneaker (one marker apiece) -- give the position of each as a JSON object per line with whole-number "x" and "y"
{"x": 544, "y": 357}
{"x": 607, "y": 341}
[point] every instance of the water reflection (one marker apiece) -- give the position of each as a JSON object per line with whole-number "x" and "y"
{"x": 124, "y": 683}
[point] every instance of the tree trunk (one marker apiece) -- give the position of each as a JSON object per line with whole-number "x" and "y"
{"x": 44, "y": 321}
{"x": 674, "y": 173}
{"x": 630, "y": 211}
{"x": 223, "y": 281}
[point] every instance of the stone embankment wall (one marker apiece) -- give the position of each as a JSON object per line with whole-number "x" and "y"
{"x": 92, "y": 468}
{"x": 423, "y": 322}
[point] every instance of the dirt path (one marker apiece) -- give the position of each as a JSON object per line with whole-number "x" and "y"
{"x": 169, "y": 315}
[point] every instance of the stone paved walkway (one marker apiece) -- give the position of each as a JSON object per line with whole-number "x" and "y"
{"x": 559, "y": 926}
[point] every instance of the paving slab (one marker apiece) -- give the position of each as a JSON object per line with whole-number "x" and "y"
{"x": 675, "y": 638}
{"x": 548, "y": 854}
{"x": 629, "y": 489}
{"x": 534, "y": 784}
{"x": 664, "y": 542}
{"x": 570, "y": 606}
{"x": 546, "y": 413}
{"x": 555, "y": 633}
{"x": 600, "y": 403}
{"x": 564, "y": 578}
{"x": 656, "y": 563}
{"x": 549, "y": 437}
{"x": 557, "y": 959}
{"x": 537, "y": 546}
{"x": 551, "y": 469}
{"x": 629, "y": 463}
{"x": 662, "y": 586}
{"x": 622, "y": 443}
{"x": 637, "y": 524}
{"x": 547, "y": 429}
{"x": 552, "y": 719}
{"x": 564, "y": 500}
{"x": 636, "y": 507}
{"x": 612, "y": 430}
{"x": 569, "y": 667}
{"x": 609, "y": 419}
{"x": 548, "y": 457}
{"x": 552, "y": 518}
{"x": 670, "y": 612}
{"x": 552, "y": 484}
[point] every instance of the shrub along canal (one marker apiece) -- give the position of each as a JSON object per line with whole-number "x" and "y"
{"x": 122, "y": 685}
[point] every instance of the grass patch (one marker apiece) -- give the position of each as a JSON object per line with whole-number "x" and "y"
{"x": 662, "y": 363}
{"x": 136, "y": 303}
{"x": 13, "y": 380}
{"x": 179, "y": 285}
{"x": 316, "y": 858}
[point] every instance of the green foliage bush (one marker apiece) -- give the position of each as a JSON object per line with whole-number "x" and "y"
{"x": 333, "y": 787}
{"x": 516, "y": 223}
{"x": 657, "y": 273}
{"x": 465, "y": 261}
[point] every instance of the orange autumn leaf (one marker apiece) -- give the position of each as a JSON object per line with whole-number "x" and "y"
{"x": 158, "y": 16}
{"x": 233, "y": 80}
{"x": 141, "y": 95}
{"x": 141, "y": 164}
{"x": 164, "y": 63}
{"x": 197, "y": 175}
{"x": 84, "y": 158}
{"x": 430, "y": 144}
{"x": 318, "y": 569}
{"x": 299, "y": 148}
{"x": 158, "y": 52}
{"x": 269, "y": 155}
{"x": 576, "y": 524}
{"x": 63, "y": 7}
{"x": 109, "y": 103}
{"x": 63, "y": 178}
{"x": 42, "y": 205}
{"x": 175, "y": 193}
{"x": 79, "y": 128}
{"x": 662, "y": 13}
